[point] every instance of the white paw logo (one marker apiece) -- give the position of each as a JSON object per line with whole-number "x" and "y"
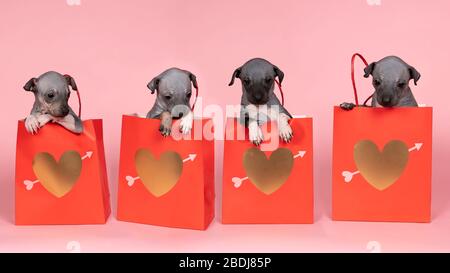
{"x": 374, "y": 2}
{"x": 73, "y": 246}
{"x": 374, "y": 247}
{"x": 73, "y": 2}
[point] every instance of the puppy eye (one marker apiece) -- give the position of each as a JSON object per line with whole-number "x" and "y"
{"x": 168, "y": 97}
{"x": 189, "y": 94}
{"x": 376, "y": 82}
{"x": 51, "y": 95}
{"x": 401, "y": 84}
{"x": 268, "y": 80}
{"x": 246, "y": 81}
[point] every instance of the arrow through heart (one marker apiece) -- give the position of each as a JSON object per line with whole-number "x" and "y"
{"x": 348, "y": 175}
{"x": 30, "y": 183}
{"x": 131, "y": 180}
{"x": 237, "y": 181}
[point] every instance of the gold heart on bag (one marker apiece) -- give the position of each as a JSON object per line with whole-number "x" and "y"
{"x": 158, "y": 176}
{"x": 268, "y": 175}
{"x": 57, "y": 177}
{"x": 381, "y": 169}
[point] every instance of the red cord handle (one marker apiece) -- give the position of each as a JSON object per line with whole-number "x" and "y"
{"x": 79, "y": 99}
{"x": 353, "y": 76}
{"x": 281, "y": 92}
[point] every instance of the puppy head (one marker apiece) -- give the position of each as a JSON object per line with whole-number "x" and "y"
{"x": 257, "y": 78}
{"x": 52, "y": 92}
{"x": 391, "y": 77}
{"x": 174, "y": 91}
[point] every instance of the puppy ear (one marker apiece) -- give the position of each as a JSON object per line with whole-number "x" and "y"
{"x": 70, "y": 81}
{"x": 193, "y": 80}
{"x": 30, "y": 85}
{"x": 278, "y": 73}
{"x": 414, "y": 74}
{"x": 236, "y": 74}
{"x": 369, "y": 69}
{"x": 153, "y": 84}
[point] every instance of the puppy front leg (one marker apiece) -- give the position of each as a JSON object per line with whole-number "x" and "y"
{"x": 44, "y": 119}
{"x": 35, "y": 121}
{"x": 186, "y": 123}
{"x": 165, "y": 126}
{"x": 347, "y": 106}
{"x": 32, "y": 124}
{"x": 71, "y": 123}
{"x": 254, "y": 132}
{"x": 285, "y": 130}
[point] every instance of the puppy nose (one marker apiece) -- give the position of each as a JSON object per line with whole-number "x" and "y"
{"x": 258, "y": 96}
{"x": 386, "y": 99}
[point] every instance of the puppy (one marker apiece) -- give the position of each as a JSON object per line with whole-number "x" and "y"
{"x": 174, "y": 91}
{"x": 51, "y": 92}
{"x": 390, "y": 78}
{"x": 258, "y": 98}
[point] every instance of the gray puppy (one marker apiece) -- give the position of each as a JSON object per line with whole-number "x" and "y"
{"x": 51, "y": 92}
{"x": 174, "y": 91}
{"x": 390, "y": 77}
{"x": 258, "y": 101}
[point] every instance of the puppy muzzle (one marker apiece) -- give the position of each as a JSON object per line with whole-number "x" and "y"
{"x": 257, "y": 98}
{"x": 180, "y": 111}
{"x": 387, "y": 101}
{"x": 60, "y": 112}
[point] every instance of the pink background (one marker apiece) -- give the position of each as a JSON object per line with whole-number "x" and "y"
{"x": 113, "y": 48}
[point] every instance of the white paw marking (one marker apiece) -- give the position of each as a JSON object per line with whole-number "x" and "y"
{"x": 186, "y": 124}
{"x": 255, "y": 133}
{"x": 285, "y": 132}
{"x": 32, "y": 124}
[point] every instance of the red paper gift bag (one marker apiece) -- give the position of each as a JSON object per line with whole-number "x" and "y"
{"x": 165, "y": 181}
{"x": 268, "y": 187}
{"x": 60, "y": 176}
{"x": 382, "y": 164}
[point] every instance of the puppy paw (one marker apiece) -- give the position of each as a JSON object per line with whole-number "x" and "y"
{"x": 44, "y": 119}
{"x": 165, "y": 130}
{"x": 186, "y": 124}
{"x": 347, "y": 106}
{"x": 32, "y": 124}
{"x": 255, "y": 134}
{"x": 285, "y": 132}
